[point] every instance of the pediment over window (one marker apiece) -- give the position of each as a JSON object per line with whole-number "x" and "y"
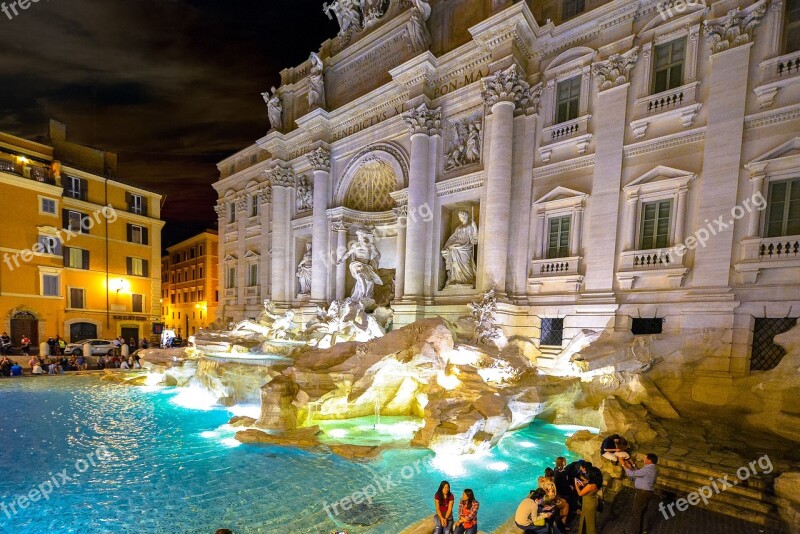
{"x": 781, "y": 157}
{"x": 670, "y": 20}
{"x": 251, "y": 254}
{"x": 561, "y": 197}
{"x": 661, "y": 178}
{"x": 230, "y": 258}
{"x": 571, "y": 58}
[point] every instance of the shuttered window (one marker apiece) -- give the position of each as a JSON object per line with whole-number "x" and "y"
{"x": 783, "y": 208}
{"x": 655, "y": 225}
{"x": 558, "y": 237}
{"x": 668, "y": 65}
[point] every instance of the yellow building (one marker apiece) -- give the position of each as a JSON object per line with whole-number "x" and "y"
{"x": 80, "y": 250}
{"x": 189, "y": 284}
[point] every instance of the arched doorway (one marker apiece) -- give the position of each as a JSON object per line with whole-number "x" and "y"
{"x": 81, "y": 331}
{"x": 24, "y": 323}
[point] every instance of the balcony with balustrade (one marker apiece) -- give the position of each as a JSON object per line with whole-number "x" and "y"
{"x": 678, "y": 105}
{"x": 572, "y": 134}
{"x": 557, "y": 275}
{"x": 661, "y": 268}
{"x": 25, "y": 168}
{"x": 777, "y": 73}
{"x": 758, "y": 254}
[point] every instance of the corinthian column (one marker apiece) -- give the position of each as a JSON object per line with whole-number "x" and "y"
{"x": 320, "y": 160}
{"x": 423, "y": 123}
{"x": 282, "y": 181}
{"x": 501, "y": 93}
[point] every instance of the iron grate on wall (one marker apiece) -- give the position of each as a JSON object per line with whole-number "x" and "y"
{"x": 766, "y": 354}
{"x": 646, "y": 326}
{"x": 552, "y": 331}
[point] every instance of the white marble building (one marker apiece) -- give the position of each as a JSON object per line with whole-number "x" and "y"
{"x": 593, "y": 155}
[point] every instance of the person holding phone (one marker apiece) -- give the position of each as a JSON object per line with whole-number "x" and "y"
{"x": 532, "y": 516}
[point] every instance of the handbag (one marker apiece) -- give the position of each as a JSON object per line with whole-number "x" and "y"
{"x": 601, "y": 504}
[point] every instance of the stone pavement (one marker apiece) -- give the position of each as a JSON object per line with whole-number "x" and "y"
{"x": 614, "y": 520}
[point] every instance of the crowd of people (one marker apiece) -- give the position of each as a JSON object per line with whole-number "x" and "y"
{"x": 567, "y": 499}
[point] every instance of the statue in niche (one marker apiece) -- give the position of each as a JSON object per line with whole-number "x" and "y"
{"x": 458, "y": 253}
{"x": 316, "y": 83}
{"x": 347, "y": 13}
{"x": 305, "y": 196}
{"x": 363, "y": 267}
{"x": 304, "y": 272}
{"x": 274, "y": 108}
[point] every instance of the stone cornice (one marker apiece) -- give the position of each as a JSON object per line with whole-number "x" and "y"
{"x": 774, "y": 116}
{"x": 563, "y": 166}
{"x": 661, "y": 143}
{"x": 460, "y": 184}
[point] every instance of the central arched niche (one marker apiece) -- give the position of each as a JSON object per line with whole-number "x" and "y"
{"x": 370, "y": 187}
{"x": 370, "y": 176}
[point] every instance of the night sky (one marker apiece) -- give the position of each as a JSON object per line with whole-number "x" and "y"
{"x": 173, "y": 86}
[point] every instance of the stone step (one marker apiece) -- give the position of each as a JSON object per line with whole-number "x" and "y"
{"x": 709, "y": 470}
{"x": 759, "y": 513}
{"x": 682, "y": 488}
{"x": 699, "y": 480}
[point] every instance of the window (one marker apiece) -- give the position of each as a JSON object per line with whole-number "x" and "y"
{"x": 77, "y": 298}
{"x": 552, "y": 331}
{"x": 655, "y": 225}
{"x": 558, "y": 237}
{"x": 192, "y": 296}
{"x": 75, "y": 221}
{"x": 643, "y": 327}
{"x": 783, "y": 208}
{"x": 568, "y": 94}
{"x": 191, "y": 253}
{"x": 50, "y": 245}
{"x": 177, "y": 258}
{"x": 172, "y": 299}
{"x": 76, "y": 188}
{"x": 766, "y": 354}
{"x": 791, "y": 28}
{"x": 200, "y": 294}
{"x": 254, "y": 206}
{"x": 137, "y": 267}
{"x": 76, "y": 258}
{"x": 48, "y": 205}
{"x": 668, "y": 65}
{"x": 136, "y": 204}
{"x": 51, "y": 284}
{"x": 231, "y": 212}
{"x": 138, "y": 234}
{"x": 571, "y": 8}
{"x": 252, "y": 275}
{"x": 200, "y": 272}
{"x": 193, "y": 271}
{"x": 230, "y": 278}
{"x": 137, "y": 303}
{"x": 199, "y": 250}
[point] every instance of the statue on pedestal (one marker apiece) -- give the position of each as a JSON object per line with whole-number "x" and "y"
{"x": 363, "y": 267}
{"x": 304, "y": 272}
{"x": 458, "y": 253}
{"x": 316, "y": 83}
{"x": 274, "y": 108}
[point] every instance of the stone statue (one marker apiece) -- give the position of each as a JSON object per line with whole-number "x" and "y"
{"x": 274, "y": 108}
{"x": 423, "y": 7}
{"x": 465, "y": 144}
{"x": 304, "y": 272}
{"x": 472, "y": 153}
{"x": 363, "y": 267}
{"x": 458, "y": 253}
{"x": 486, "y": 331}
{"x": 316, "y": 83}
{"x": 417, "y": 32}
{"x": 347, "y": 13}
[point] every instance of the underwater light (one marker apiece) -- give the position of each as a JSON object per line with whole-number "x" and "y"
{"x": 527, "y": 444}
{"x": 498, "y": 466}
{"x": 337, "y": 433}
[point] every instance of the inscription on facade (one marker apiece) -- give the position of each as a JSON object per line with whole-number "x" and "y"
{"x": 366, "y": 122}
{"x": 461, "y": 81}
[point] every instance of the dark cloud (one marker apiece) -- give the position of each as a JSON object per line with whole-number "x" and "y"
{"x": 171, "y": 85}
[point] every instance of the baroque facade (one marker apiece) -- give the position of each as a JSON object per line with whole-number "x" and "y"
{"x": 630, "y": 164}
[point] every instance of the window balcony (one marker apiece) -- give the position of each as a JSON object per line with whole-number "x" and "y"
{"x": 679, "y": 103}
{"x": 252, "y": 291}
{"x": 32, "y": 172}
{"x": 767, "y": 253}
{"x": 557, "y": 275}
{"x": 572, "y": 133}
{"x": 777, "y": 73}
{"x": 660, "y": 268}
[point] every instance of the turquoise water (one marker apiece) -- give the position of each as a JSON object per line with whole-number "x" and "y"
{"x": 171, "y": 469}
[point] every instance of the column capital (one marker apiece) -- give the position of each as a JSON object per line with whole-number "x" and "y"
{"x": 734, "y": 28}
{"x": 220, "y": 208}
{"x": 320, "y": 159}
{"x": 265, "y": 194}
{"x": 340, "y": 226}
{"x": 529, "y": 100}
{"x": 401, "y": 211}
{"x": 615, "y": 70}
{"x": 424, "y": 120}
{"x": 504, "y": 86}
{"x": 241, "y": 202}
{"x": 281, "y": 177}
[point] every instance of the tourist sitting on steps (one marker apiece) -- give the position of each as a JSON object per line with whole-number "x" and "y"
{"x": 37, "y": 369}
{"x": 16, "y": 370}
{"x": 532, "y": 515}
{"x": 615, "y": 449}
{"x": 467, "y": 514}
{"x": 443, "y": 505}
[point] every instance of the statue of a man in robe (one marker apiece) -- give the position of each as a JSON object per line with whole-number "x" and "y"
{"x": 458, "y": 253}
{"x": 363, "y": 267}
